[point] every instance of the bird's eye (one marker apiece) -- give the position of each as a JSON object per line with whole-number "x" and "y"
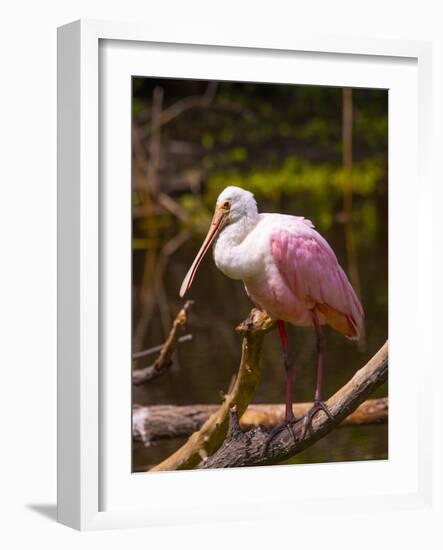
{"x": 226, "y": 205}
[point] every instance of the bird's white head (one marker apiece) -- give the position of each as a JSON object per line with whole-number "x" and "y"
{"x": 238, "y": 202}
{"x": 234, "y": 205}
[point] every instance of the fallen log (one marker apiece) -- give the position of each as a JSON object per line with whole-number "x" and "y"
{"x": 154, "y": 422}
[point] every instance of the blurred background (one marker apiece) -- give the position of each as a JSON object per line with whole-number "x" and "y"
{"x": 318, "y": 152}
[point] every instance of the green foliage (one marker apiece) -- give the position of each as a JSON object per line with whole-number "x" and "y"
{"x": 322, "y": 183}
{"x": 279, "y": 141}
{"x": 296, "y": 175}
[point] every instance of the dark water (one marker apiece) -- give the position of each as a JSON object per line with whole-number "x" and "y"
{"x": 205, "y": 366}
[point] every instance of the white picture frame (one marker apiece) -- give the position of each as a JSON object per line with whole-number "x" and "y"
{"x": 85, "y": 441}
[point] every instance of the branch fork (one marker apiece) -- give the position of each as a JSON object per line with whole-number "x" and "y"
{"x": 211, "y": 435}
{"x": 249, "y": 448}
{"x": 221, "y": 441}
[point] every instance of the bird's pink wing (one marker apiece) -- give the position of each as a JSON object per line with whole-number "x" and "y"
{"x": 311, "y": 270}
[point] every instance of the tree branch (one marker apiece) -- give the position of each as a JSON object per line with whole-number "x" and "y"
{"x": 248, "y": 448}
{"x": 182, "y": 105}
{"x": 154, "y": 422}
{"x": 164, "y": 360}
{"x": 203, "y": 443}
{"x": 156, "y": 349}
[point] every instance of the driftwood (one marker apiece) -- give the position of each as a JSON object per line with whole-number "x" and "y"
{"x": 207, "y": 440}
{"x": 248, "y": 448}
{"x": 154, "y": 422}
{"x": 164, "y": 360}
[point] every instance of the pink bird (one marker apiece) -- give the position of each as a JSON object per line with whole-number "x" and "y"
{"x": 289, "y": 271}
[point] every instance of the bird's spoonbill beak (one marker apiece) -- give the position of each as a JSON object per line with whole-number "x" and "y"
{"x": 218, "y": 221}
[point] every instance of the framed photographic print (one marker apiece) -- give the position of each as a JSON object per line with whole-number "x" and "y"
{"x": 232, "y": 228}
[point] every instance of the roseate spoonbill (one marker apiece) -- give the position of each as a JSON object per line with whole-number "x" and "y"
{"x": 289, "y": 271}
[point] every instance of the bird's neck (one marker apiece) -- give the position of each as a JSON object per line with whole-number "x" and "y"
{"x": 236, "y": 232}
{"x": 229, "y": 254}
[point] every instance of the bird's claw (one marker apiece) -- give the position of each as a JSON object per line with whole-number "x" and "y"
{"x": 315, "y": 409}
{"x": 287, "y": 424}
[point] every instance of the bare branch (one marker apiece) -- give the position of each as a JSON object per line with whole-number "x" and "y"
{"x": 149, "y": 190}
{"x": 172, "y": 206}
{"x": 156, "y": 349}
{"x": 163, "y": 361}
{"x": 191, "y": 102}
{"x": 249, "y": 449}
{"x": 155, "y": 141}
{"x": 151, "y": 285}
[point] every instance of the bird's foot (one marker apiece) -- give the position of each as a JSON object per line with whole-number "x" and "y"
{"x": 287, "y": 424}
{"x": 313, "y": 411}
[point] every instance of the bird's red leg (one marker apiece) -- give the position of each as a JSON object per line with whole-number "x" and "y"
{"x": 319, "y": 405}
{"x": 320, "y": 354}
{"x": 290, "y": 420}
{"x": 289, "y": 368}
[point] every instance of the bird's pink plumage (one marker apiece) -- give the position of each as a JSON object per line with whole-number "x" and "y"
{"x": 311, "y": 271}
{"x": 303, "y": 274}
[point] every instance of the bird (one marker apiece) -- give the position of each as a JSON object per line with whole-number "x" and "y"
{"x": 290, "y": 272}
